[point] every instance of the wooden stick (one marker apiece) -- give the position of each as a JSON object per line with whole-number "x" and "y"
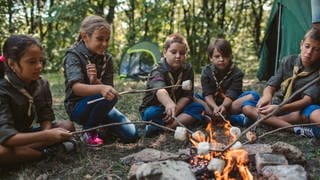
{"x": 118, "y": 124}
{"x": 274, "y": 111}
{"x": 134, "y": 91}
{"x": 182, "y": 125}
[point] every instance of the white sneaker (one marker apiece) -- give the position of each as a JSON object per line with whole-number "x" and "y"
{"x": 303, "y": 131}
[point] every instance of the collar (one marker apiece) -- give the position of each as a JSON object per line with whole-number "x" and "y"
{"x": 82, "y": 48}
{"x": 167, "y": 68}
{"x": 20, "y": 84}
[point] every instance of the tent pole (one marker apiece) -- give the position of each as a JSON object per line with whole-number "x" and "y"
{"x": 278, "y": 38}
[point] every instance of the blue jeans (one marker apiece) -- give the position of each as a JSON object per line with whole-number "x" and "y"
{"x": 156, "y": 113}
{"x": 103, "y": 112}
{"x": 309, "y": 109}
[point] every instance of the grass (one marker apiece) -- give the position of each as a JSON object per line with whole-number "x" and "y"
{"x": 104, "y": 163}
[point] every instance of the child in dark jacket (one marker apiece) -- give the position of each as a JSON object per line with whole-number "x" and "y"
{"x": 24, "y": 98}
{"x": 221, "y": 83}
{"x": 88, "y": 71}
{"x": 294, "y": 72}
{"x": 164, "y": 105}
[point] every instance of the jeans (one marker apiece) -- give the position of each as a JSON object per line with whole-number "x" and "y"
{"x": 156, "y": 113}
{"x": 103, "y": 112}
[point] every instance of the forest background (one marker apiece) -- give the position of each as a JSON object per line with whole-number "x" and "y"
{"x": 56, "y": 24}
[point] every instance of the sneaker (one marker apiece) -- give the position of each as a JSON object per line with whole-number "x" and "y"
{"x": 106, "y": 135}
{"x": 61, "y": 148}
{"x": 311, "y": 131}
{"x": 92, "y": 138}
{"x": 240, "y": 120}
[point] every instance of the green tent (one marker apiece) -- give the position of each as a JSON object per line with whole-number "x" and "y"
{"x": 138, "y": 60}
{"x": 288, "y": 22}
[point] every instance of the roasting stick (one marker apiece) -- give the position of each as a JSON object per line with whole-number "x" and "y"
{"x": 178, "y": 121}
{"x": 186, "y": 85}
{"x": 118, "y": 124}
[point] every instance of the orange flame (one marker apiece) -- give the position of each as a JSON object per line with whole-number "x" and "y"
{"x": 236, "y": 159}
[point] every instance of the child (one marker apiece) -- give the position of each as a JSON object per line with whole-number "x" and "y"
{"x": 294, "y": 72}
{"x": 163, "y": 105}
{"x": 25, "y": 97}
{"x": 88, "y": 72}
{"x": 221, "y": 84}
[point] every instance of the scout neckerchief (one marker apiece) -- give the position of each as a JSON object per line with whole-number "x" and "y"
{"x": 287, "y": 85}
{"x": 104, "y": 66}
{"x": 173, "y": 82}
{"x": 25, "y": 93}
{"x": 219, "y": 90}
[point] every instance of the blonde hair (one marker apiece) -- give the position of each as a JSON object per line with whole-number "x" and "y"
{"x": 92, "y": 23}
{"x": 175, "y": 38}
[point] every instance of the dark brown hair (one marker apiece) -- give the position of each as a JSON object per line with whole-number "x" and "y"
{"x": 221, "y": 45}
{"x": 16, "y": 46}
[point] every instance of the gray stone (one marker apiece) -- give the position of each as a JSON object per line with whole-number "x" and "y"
{"x": 284, "y": 172}
{"x": 164, "y": 170}
{"x": 148, "y": 155}
{"x": 292, "y": 153}
{"x": 266, "y": 159}
{"x": 253, "y": 149}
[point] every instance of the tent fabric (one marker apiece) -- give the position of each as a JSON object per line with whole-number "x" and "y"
{"x": 138, "y": 60}
{"x": 291, "y": 18}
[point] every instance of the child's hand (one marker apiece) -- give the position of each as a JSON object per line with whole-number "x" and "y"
{"x": 58, "y": 134}
{"x": 92, "y": 73}
{"x": 170, "y": 111}
{"x": 263, "y": 101}
{"x": 267, "y": 109}
{"x": 109, "y": 92}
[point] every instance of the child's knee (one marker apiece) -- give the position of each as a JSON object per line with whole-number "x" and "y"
{"x": 152, "y": 113}
{"x": 68, "y": 125}
{"x": 311, "y": 111}
{"x": 254, "y": 96}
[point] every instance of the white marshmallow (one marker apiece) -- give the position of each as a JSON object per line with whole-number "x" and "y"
{"x": 235, "y": 131}
{"x": 199, "y": 136}
{"x": 236, "y": 145}
{"x": 187, "y": 85}
{"x": 180, "y": 133}
{"x": 216, "y": 165}
{"x": 203, "y": 148}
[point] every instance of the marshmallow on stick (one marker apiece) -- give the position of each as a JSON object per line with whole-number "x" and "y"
{"x": 236, "y": 145}
{"x": 199, "y": 136}
{"x": 235, "y": 131}
{"x": 216, "y": 165}
{"x": 180, "y": 133}
{"x": 203, "y": 148}
{"x": 186, "y": 85}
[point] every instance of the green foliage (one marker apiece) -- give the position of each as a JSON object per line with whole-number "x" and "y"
{"x": 56, "y": 24}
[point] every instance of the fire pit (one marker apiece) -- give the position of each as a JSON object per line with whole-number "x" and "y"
{"x": 210, "y": 157}
{"x": 231, "y": 164}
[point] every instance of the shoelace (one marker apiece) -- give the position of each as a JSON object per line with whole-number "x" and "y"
{"x": 307, "y": 132}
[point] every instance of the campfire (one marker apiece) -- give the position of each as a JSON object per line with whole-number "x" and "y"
{"x": 209, "y": 161}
